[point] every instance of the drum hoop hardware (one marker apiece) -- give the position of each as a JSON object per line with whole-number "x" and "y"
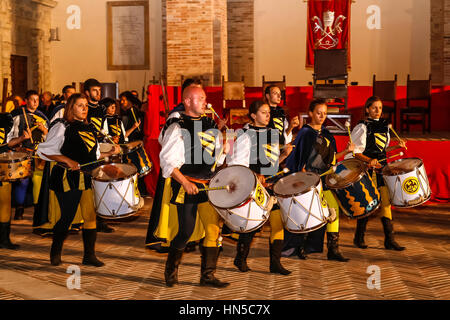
{"x": 16, "y": 160}
{"x": 398, "y": 174}
{"x": 118, "y": 179}
{"x": 230, "y": 212}
{"x": 295, "y": 194}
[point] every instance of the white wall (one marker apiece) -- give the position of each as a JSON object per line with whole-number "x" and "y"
{"x": 401, "y": 45}
{"x": 82, "y": 54}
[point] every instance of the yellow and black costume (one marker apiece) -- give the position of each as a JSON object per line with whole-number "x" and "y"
{"x": 371, "y": 138}
{"x": 189, "y": 144}
{"x": 77, "y": 141}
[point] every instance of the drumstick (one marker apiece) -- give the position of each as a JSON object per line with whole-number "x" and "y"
{"x": 392, "y": 129}
{"x": 107, "y": 136}
{"x": 347, "y": 125}
{"x": 285, "y": 170}
{"x": 330, "y": 171}
{"x": 227, "y": 187}
{"x": 135, "y": 120}
{"x": 28, "y": 126}
{"x": 209, "y": 106}
{"x": 393, "y": 156}
{"x": 220, "y": 154}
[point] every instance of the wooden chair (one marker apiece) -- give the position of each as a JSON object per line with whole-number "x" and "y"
{"x": 418, "y": 92}
{"x": 234, "y": 91}
{"x": 280, "y": 84}
{"x": 330, "y": 77}
{"x": 387, "y": 91}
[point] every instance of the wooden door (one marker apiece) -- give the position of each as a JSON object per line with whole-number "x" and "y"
{"x": 19, "y": 75}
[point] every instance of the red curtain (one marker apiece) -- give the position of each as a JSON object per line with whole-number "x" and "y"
{"x": 328, "y": 27}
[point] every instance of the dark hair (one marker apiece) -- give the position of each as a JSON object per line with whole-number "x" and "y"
{"x": 89, "y": 83}
{"x": 64, "y": 90}
{"x": 316, "y": 102}
{"x": 107, "y": 102}
{"x": 190, "y": 81}
{"x": 30, "y": 93}
{"x": 267, "y": 90}
{"x": 370, "y": 101}
{"x": 68, "y": 109}
{"x": 131, "y": 98}
{"x": 254, "y": 107}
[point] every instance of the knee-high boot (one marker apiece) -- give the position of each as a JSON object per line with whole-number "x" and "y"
{"x": 210, "y": 256}
{"x": 242, "y": 251}
{"x": 389, "y": 242}
{"x": 172, "y": 263}
{"x": 89, "y": 258}
{"x": 5, "y": 241}
{"x": 358, "y": 240}
{"x": 275, "y": 257}
{"x": 57, "y": 245}
{"x": 333, "y": 247}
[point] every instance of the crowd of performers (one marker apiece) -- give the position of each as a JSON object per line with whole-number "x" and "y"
{"x": 66, "y": 149}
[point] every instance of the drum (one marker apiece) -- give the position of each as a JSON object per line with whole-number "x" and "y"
{"x": 301, "y": 202}
{"x": 407, "y": 182}
{"x": 108, "y": 147}
{"x": 355, "y": 191}
{"x": 134, "y": 153}
{"x": 246, "y": 205}
{"x": 15, "y": 165}
{"x": 116, "y": 194}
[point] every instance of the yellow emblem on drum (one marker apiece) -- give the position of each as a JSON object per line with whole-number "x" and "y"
{"x": 323, "y": 201}
{"x": 411, "y": 185}
{"x": 260, "y": 198}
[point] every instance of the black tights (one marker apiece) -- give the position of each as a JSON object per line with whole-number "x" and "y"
{"x": 186, "y": 223}
{"x": 68, "y": 202}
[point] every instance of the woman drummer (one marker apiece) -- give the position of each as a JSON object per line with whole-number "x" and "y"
{"x": 315, "y": 151}
{"x": 257, "y": 147}
{"x": 371, "y": 138}
{"x": 72, "y": 144}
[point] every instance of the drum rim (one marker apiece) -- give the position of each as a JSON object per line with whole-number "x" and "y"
{"x": 26, "y": 157}
{"x": 255, "y": 181}
{"x": 414, "y": 205}
{"x": 140, "y": 145}
{"x": 300, "y": 193}
{"x": 118, "y": 179}
{"x": 364, "y": 172}
{"x": 400, "y": 174}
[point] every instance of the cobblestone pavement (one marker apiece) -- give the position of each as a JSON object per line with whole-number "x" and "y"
{"x": 134, "y": 272}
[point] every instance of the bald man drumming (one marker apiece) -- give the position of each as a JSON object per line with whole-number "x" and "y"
{"x": 189, "y": 147}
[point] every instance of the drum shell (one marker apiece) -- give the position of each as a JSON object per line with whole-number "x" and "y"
{"x": 403, "y": 196}
{"x": 138, "y": 157}
{"x": 304, "y": 212}
{"x": 16, "y": 169}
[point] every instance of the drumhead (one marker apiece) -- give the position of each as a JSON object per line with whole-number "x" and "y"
{"x": 347, "y": 172}
{"x": 131, "y": 146}
{"x": 13, "y": 156}
{"x": 240, "y": 179}
{"x": 401, "y": 166}
{"x": 113, "y": 172}
{"x": 296, "y": 183}
{"x": 106, "y": 147}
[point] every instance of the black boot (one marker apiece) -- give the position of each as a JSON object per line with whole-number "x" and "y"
{"x": 275, "y": 257}
{"x": 103, "y": 227}
{"x": 210, "y": 256}
{"x": 301, "y": 252}
{"x": 190, "y": 247}
{"x": 57, "y": 244}
{"x": 389, "y": 242}
{"x": 5, "y": 241}
{"x": 358, "y": 240}
{"x": 333, "y": 247}
{"x": 172, "y": 263}
{"x": 89, "y": 258}
{"x": 240, "y": 261}
{"x": 19, "y": 213}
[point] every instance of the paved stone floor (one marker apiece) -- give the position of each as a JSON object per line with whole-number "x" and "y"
{"x": 422, "y": 271}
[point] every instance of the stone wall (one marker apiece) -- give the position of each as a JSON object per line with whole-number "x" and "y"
{"x": 440, "y": 41}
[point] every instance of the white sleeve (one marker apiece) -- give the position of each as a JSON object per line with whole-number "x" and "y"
{"x": 123, "y": 131}
{"x": 52, "y": 145}
{"x": 172, "y": 115}
{"x": 58, "y": 115}
{"x": 358, "y": 135}
{"x": 14, "y": 132}
{"x": 241, "y": 151}
{"x": 172, "y": 151}
{"x": 287, "y": 137}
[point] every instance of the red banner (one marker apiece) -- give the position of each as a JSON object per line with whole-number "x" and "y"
{"x": 328, "y": 27}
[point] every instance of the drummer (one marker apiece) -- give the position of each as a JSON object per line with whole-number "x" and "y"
{"x": 6, "y": 123}
{"x": 180, "y": 157}
{"x": 257, "y": 147}
{"x": 37, "y": 123}
{"x": 113, "y": 125}
{"x": 315, "y": 151}
{"x": 73, "y": 143}
{"x": 371, "y": 138}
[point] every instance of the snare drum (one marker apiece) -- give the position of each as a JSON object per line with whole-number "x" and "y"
{"x": 108, "y": 147}
{"x": 246, "y": 205}
{"x": 407, "y": 182}
{"x": 301, "y": 202}
{"x": 116, "y": 194}
{"x": 355, "y": 191}
{"x": 134, "y": 153}
{"x": 15, "y": 166}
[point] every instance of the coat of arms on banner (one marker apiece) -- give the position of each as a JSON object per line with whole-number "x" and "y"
{"x": 326, "y": 32}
